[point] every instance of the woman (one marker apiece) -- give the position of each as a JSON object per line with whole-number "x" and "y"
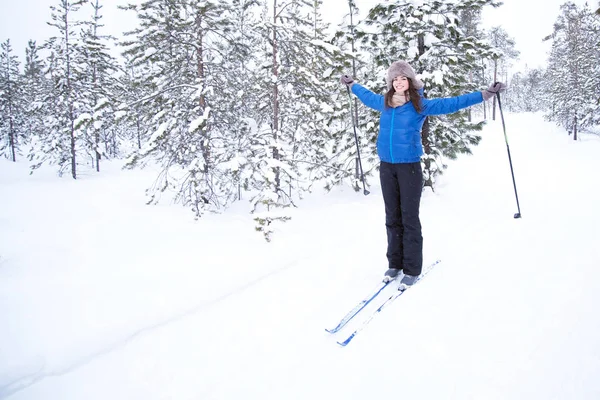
{"x": 403, "y": 111}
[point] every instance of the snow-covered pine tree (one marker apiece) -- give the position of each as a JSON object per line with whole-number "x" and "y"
{"x": 132, "y": 116}
{"x": 591, "y": 115}
{"x": 571, "y": 66}
{"x": 428, "y": 35}
{"x": 533, "y": 83}
{"x": 59, "y": 144}
{"x": 34, "y": 84}
{"x": 316, "y": 73}
{"x": 241, "y": 98}
{"x": 352, "y": 60}
{"x": 183, "y": 46}
{"x": 514, "y": 98}
{"x": 470, "y": 24}
{"x": 11, "y": 103}
{"x": 295, "y": 83}
{"x": 505, "y": 51}
{"x": 526, "y": 91}
{"x": 97, "y": 85}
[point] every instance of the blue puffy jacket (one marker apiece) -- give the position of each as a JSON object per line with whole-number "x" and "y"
{"x": 399, "y": 139}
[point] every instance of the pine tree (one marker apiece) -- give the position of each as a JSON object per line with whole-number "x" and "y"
{"x": 429, "y": 37}
{"x": 98, "y": 81}
{"x": 242, "y": 98}
{"x": 11, "y": 103}
{"x": 60, "y": 144}
{"x": 34, "y": 87}
{"x": 470, "y": 24}
{"x": 132, "y": 115}
{"x": 295, "y": 82}
{"x": 346, "y": 113}
{"x": 572, "y": 69}
{"x": 182, "y": 46}
{"x": 591, "y": 115}
{"x": 317, "y": 79}
{"x": 526, "y": 91}
{"x": 505, "y": 51}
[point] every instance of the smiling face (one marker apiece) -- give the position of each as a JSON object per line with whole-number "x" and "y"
{"x": 400, "y": 84}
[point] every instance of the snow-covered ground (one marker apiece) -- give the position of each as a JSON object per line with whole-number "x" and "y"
{"x": 103, "y": 297}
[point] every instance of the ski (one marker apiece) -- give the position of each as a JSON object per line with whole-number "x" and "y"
{"x": 363, "y": 303}
{"x": 387, "y": 302}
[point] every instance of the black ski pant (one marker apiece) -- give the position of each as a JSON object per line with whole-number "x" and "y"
{"x": 401, "y": 185}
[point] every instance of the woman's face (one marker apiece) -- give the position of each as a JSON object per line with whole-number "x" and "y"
{"x": 400, "y": 84}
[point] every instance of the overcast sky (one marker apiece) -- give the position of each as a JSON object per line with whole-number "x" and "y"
{"x": 527, "y": 21}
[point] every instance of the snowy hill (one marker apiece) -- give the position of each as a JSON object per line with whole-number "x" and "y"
{"x": 102, "y": 297}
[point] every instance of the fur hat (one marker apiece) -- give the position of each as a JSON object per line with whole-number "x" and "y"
{"x": 402, "y": 68}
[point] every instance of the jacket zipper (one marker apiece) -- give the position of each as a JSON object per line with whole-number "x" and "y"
{"x": 392, "y": 130}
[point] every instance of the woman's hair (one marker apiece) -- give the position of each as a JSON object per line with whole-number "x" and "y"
{"x": 413, "y": 93}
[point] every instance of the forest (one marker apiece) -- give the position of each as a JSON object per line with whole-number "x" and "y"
{"x": 241, "y": 100}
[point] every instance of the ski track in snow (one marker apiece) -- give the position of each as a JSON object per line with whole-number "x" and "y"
{"x": 24, "y": 382}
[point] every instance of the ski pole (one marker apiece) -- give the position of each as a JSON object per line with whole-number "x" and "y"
{"x": 518, "y": 214}
{"x": 362, "y": 175}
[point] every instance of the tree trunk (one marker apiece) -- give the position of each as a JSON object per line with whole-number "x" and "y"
{"x": 113, "y": 140}
{"x": 205, "y": 145}
{"x": 11, "y": 131}
{"x": 139, "y": 134}
{"x": 355, "y": 116}
{"x": 425, "y": 131}
{"x": 70, "y": 99}
{"x": 95, "y": 84}
{"x": 485, "y": 102}
{"x": 275, "y": 99}
{"x": 470, "y": 81}
{"x": 494, "y": 100}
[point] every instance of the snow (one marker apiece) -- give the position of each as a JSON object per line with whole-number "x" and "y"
{"x": 103, "y": 297}
{"x": 150, "y": 52}
{"x": 82, "y": 119}
{"x": 103, "y": 102}
{"x": 234, "y": 164}
{"x": 412, "y": 52}
{"x": 438, "y": 76}
{"x": 326, "y": 108}
{"x": 157, "y": 134}
{"x": 329, "y": 47}
{"x": 199, "y": 121}
{"x": 159, "y": 115}
{"x": 120, "y": 114}
{"x": 430, "y": 39}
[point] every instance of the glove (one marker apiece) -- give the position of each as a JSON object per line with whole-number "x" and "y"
{"x": 492, "y": 90}
{"x": 347, "y": 80}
